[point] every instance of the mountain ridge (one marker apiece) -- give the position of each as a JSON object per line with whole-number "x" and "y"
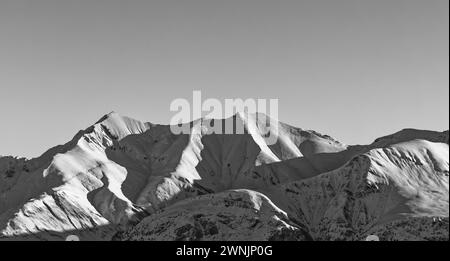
{"x": 119, "y": 171}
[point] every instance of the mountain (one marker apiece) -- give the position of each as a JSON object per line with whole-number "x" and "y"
{"x": 122, "y": 179}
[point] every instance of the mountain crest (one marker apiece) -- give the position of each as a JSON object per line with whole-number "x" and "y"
{"x": 121, "y": 172}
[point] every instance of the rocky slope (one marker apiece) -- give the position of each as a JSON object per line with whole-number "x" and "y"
{"x": 122, "y": 179}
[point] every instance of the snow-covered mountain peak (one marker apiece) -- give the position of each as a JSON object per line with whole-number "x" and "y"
{"x": 125, "y": 179}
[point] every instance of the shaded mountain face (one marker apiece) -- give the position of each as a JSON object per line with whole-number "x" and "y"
{"x": 122, "y": 179}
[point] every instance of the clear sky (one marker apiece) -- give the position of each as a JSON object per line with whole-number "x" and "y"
{"x": 353, "y": 69}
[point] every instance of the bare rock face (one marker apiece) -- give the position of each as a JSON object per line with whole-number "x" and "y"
{"x": 122, "y": 179}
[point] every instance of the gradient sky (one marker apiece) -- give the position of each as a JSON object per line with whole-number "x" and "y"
{"x": 353, "y": 69}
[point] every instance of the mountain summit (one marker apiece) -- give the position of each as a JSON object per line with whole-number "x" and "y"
{"x": 123, "y": 179}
